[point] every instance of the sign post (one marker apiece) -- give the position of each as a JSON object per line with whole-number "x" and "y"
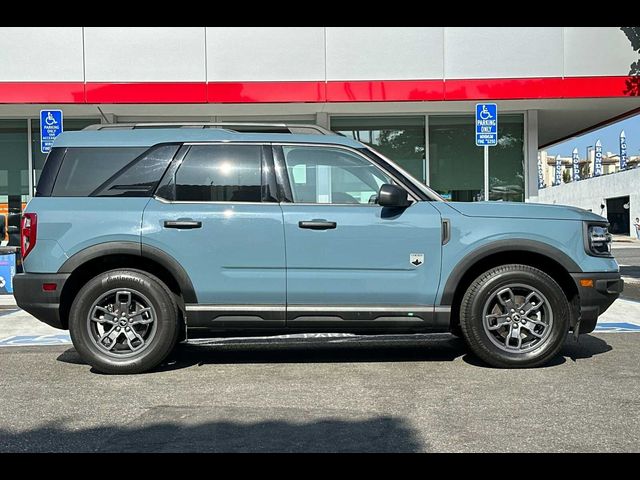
{"x": 486, "y": 135}
{"x": 50, "y": 128}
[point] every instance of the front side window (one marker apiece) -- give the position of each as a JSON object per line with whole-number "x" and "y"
{"x": 332, "y": 175}
{"x": 220, "y": 173}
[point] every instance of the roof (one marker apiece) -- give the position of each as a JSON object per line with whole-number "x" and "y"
{"x": 147, "y": 137}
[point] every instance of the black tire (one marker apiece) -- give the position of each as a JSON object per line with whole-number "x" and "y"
{"x": 479, "y": 338}
{"x": 165, "y": 327}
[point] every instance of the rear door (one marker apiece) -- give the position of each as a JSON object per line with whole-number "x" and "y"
{"x": 215, "y": 214}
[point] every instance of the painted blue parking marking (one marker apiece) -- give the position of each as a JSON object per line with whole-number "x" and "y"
{"x": 617, "y": 327}
{"x": 64, "y": 338}
{"x": 35, "y": 340}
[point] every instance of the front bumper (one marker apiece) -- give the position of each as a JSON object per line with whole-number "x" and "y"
{"x": 595, "y": 300}
{"x": 44, "y": 305}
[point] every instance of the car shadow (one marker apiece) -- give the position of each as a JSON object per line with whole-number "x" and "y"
{"x": 224, "y": 430}
{"x": 353, "y": 349}
{"x": 586, "y": 346}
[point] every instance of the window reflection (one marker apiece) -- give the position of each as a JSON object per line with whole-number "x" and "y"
{"x": 402, "y": 139}
{"x": 456, "y": 164}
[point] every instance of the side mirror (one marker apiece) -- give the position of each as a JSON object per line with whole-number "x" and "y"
{"x": 392, "y": 196}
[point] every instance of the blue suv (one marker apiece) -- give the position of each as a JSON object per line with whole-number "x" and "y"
{"x": 140, "y": 236}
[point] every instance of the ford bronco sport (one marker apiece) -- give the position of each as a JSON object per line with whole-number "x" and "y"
{"x": 140, "y": 236}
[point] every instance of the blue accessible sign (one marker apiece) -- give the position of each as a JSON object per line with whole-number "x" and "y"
{"x": 50, "y": 128}
{"x": 486, "y": 124}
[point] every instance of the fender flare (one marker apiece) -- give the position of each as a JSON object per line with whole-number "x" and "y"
{"x": 511, "y": 245}
{"x": 135, "y": 249}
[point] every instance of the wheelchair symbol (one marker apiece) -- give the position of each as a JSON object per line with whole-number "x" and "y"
{"x": 485, "y": 114}
{"x": 49, "y": 121}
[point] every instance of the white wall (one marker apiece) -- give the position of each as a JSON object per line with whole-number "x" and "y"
{"x": 265, "y": 53}
{"x": 512, "y": 52}
{"x": 47, "y": 54}
{"x": 150, "y": 54}
{"x": 144, "y": 54}
{"x": 592, "y": 192}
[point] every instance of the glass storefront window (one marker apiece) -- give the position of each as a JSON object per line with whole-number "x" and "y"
{"x": 14, "y": 178}
{"x": 456, "y": 164}
{"x": 70, "y": 124}
{"x": 402, "y": 139}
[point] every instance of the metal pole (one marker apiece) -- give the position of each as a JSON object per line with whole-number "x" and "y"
{"x": 31, "y": 171}
{"x": 486, "y": 173}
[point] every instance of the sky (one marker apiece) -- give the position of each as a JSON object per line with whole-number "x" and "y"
{"x": 609, "y": 136}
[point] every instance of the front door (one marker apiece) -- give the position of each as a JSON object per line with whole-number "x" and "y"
{"x": 349, "y": 261}
{"x": 214, "y": 214}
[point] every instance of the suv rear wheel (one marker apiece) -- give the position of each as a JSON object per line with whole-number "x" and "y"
{"x": 514, "y": 316}
{"x": 124, "y": 321}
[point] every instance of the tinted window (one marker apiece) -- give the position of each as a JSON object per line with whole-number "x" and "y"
{"x": 331, "y": 175}
{"x": 86, "y": 168}
{"x": 220, "y": 173}
{"x": 49, "y": 172}
{"x": 140, "y": 177}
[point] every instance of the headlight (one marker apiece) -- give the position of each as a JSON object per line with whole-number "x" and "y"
{"x": 598, "y": 240}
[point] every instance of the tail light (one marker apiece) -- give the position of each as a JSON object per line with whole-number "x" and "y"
{"x": 28, "y": 232}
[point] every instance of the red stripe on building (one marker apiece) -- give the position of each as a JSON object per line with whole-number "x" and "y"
{"x": 314, "y": 91}
{"x": 160, "y": 92}
{"x": 584, "y": 87}
{"x": 385, "y": 91}
{"x": 503, "y": 88}
{"x": 266, "y": 92}
{"x": 41, "y": 92}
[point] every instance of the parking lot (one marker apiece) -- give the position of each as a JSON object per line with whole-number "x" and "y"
{"x": 356, "y": 394}
{"x": 422, "y": 393}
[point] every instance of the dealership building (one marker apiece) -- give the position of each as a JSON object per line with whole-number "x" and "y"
{"x": 409, "y": 92}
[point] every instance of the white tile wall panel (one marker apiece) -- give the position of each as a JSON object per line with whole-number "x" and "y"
{"x": 503, "y": 52}
{"x": 265, "y": 53}
{"x": 384, "y": 53}
{"x": 41, "y": 54}
{"x": 597, "y": 51}
{"x": 145, "y": 54}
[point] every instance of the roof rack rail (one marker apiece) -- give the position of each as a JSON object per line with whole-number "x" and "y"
{"x": 248, "y": 127}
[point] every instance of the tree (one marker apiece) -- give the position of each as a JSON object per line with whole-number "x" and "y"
{"x": 566, "y": 176}
{"x": 585, "y": 170}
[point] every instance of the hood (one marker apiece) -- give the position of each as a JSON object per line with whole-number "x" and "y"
{"x": 524, "y": 210}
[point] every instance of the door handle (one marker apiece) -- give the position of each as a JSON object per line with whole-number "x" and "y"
{"x": 317, "y": 225}
{"x": 182, "y": 224}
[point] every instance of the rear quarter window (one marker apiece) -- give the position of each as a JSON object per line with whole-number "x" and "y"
{"x": 84, "y": 169}
{"x": 50, "y": 171}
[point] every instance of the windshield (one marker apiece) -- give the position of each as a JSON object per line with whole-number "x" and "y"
{"x": 431, "y": 194}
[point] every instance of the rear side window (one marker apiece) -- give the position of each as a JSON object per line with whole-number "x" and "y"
{"x": 219, "y": 173}
{"x": 84, "y": 169}
{"x": 140, "y": 177}
{"x": 50, "y": 171}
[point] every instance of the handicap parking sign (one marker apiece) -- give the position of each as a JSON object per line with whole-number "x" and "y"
{"x": 486, "y": 124}
{"x": 50, "y": 128}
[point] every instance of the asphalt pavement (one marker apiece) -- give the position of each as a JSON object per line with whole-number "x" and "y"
{"x": 411, "y": 394}
{"x": 628, "y": 257}
{"x": 421, "y": 393}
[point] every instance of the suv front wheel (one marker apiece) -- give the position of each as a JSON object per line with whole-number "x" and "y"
{"x": 124, "y": 321}
{"x": 515, "y": 316}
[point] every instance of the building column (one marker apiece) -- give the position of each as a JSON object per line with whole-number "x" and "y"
{"x": 531, "y": 156}
{"x": 322, "y": 119}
